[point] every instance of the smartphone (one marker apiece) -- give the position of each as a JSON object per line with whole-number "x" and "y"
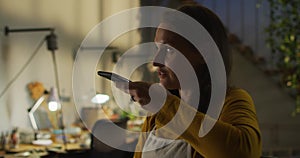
{"x": 112, "y": 76}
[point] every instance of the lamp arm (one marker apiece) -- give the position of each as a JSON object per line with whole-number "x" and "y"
{"x": 56, "y": 72}
{"x": 32, "y": 110}
{"x": 7, "y": 30}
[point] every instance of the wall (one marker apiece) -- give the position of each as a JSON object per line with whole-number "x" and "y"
{"x": 72, "y": 20}
{"x": 280, "y": 131}
{"x": 245, "y": 18}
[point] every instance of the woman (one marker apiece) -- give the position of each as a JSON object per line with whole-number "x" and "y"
{"x": 234, "y": 134}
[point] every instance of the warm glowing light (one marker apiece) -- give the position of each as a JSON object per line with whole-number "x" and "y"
{"x": 100, "y": 99}
{"x": 53, "y": 100}
{"x": 53, "y": 106}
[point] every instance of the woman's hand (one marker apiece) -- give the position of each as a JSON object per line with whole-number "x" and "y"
{"x": 139, "y": 91}
{"x": 150, "y": 96}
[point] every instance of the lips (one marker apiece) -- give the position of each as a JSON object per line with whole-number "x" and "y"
{"x": 162, "y": 73}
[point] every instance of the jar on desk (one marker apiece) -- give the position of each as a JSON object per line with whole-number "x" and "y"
{"x": 15, "y": 138}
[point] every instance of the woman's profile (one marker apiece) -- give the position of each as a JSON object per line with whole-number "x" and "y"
{"x": 235, "y": 133}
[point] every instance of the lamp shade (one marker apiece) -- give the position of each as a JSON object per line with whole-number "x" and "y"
{"x": 100, "y": 99}
{"x": 53, "y": 100}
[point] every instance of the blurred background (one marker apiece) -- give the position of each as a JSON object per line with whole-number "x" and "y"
{"x": 250, "y": 24}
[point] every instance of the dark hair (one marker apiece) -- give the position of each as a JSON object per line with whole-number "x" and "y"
{"x": 217, "y": 31}
{"x": 215, "y": 28}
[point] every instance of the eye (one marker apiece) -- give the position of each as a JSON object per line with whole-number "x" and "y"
{"x": 169, "y": 49}
{"x": 164, "y": 47}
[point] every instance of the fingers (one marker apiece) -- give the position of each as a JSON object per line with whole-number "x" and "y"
{"x": 132, "y": 98}
{"x": 128, "y": 86}
{"x": 139, "y": 91}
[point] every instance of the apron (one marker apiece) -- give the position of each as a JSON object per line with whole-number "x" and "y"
{"x": 157, "y": 147}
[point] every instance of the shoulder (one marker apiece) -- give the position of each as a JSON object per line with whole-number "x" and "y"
{"x": 238, "y": 103}
{"x": 238, "y": 95}
{"x": 238, "y": 100}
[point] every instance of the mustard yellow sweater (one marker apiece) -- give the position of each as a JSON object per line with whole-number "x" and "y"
{"x": 236, "y": 133}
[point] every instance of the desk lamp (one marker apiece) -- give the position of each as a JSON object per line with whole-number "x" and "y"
{"x": 54, "y": 94}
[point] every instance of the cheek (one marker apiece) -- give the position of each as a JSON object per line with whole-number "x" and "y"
{"x": 173, "y": 78}
{"x": 172, "y": 75}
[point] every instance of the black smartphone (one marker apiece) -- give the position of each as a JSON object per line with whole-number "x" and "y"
{"x": 112, "y": 76}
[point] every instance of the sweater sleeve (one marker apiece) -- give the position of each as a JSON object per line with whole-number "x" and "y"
{"x": 235, "y": 134}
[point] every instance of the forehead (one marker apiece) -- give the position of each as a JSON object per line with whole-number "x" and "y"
{"x": 163, "y": 35}
{"x": 171, "y": 38}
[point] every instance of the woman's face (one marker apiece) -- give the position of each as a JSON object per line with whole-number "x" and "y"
{"x": 167, "y": 42}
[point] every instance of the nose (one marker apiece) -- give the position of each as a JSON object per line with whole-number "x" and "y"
{"x": 156, "y": 64}
{"x": 159, "y": 59}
